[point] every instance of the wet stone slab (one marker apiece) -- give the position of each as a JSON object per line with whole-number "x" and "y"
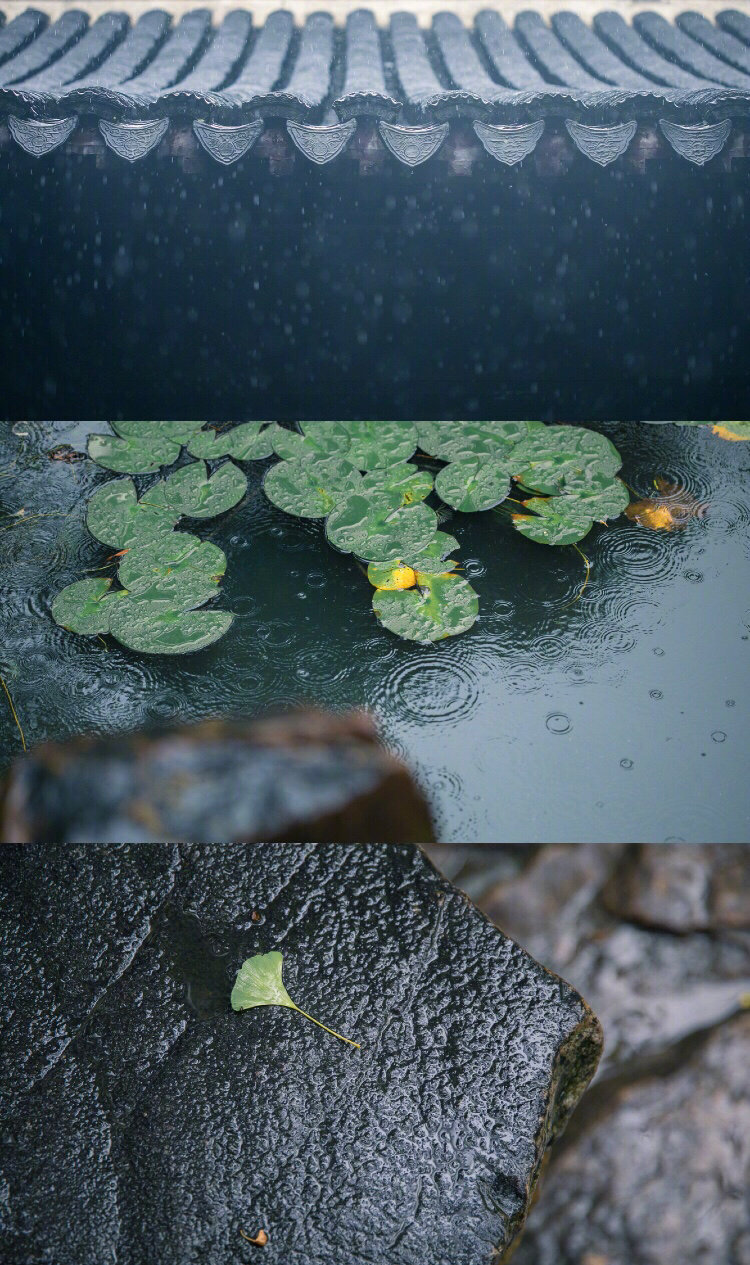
{"x": 144, "y": 1121}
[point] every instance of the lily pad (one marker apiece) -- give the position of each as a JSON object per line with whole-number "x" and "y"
{"x": 405, "y": 478}
{"x": 553, "y": 522}
{"x": 320, "y": 439}
{"x": 250, "y": 441}
{"x": 401, "y": 573}
{"x": 85, "y": 607}
{"x": 179, "y": 568}
{"x": 474, "y": 483}
{"x": 376, "y": 527}
{"x": 441, "y": 606}
{"x": 117, "y": 518}
{"x": 455, "y": 441}
{"x": 549, "y": 457}
{"x": 138, "y": 455}
{"x": 179, "y": 432}
{"x": 191, "y": 492}
{"x": 373, "y": 445}
{"x": 154, "y": 627}
{"x": 602, "y": 496}
{"x": 310, "y": 489}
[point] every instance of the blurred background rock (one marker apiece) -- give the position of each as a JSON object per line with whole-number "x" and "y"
{"x": 656, "y": 1164}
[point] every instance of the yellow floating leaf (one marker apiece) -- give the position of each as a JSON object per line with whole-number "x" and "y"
{"x": 672, "y": 508}
{"x": 398, "y": 578}
{"x": 651, "y": 514}
{"x": 724, "y": 431}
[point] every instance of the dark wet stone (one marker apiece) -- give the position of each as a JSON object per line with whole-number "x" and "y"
{"x": 159, "y": 1124}
{"x": 309, "y": 776}
{"x": 662, "y": 1175}
{"x": 683, "y": 888}
{"x": 650, "y": 987}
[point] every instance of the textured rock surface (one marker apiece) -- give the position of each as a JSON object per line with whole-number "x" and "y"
{"x": 656, "y": 1165}
{"x": 143, "y": 1121}
{"x": 309, "y": 776}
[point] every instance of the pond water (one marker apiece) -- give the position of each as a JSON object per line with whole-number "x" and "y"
{"x": 622, "y": 714}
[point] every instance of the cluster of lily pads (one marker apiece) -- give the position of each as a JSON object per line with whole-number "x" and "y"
{"x": 360, "y": 477}
{"x": 166, "y": 576}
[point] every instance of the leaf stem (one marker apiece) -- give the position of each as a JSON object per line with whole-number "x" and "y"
{"x": 14, "y": 713}
{"x": 329, "y": 1030}
{"x": 585, "y": 582}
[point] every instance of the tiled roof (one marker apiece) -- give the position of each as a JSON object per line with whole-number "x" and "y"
{"x": 506, "y": 78}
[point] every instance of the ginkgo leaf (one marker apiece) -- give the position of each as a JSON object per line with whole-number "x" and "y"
{"x": 259, "y": 982}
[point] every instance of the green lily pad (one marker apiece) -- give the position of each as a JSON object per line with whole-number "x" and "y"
{"x": 310, "y": 489}
{"x": 191, "y": 492}
{"x": 547, "y": 459}
{"x": 434, "y": 556}
{"x": 432, "y": 560}
{"x": 405, "y": 478}
{"x": 474, "y": 483}
{"x": 553, "y": 522}
{"x": 85, "y": 607}
{"x": 455, "y": 441}
{"x": 143, "y": 455}
{"x": 179, "y": 568}
{"x": 178, "y": 432}
{"x": 376, "y": 444}
{"x": 376, "y": 527}
{"x": 117, "y": 518}
{"x": 602, "y": 496}
{"x": 319, "y": 440}
{"x": 441, "y": 606}
{"x": 154, "y": 627}
{"x": 250, "y": 441}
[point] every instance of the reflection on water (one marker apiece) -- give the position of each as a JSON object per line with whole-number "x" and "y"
{"x": 621, "y": 714}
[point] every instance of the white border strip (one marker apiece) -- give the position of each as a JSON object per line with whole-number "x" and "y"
{"x": 424, "y": 10}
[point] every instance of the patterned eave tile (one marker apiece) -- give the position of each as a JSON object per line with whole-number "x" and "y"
{"x": 409, "y": 85}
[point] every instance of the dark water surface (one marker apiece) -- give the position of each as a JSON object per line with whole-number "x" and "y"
{"x": 623, "y": 715}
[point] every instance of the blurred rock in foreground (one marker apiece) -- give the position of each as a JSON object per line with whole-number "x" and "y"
{"x": 309, "y": 776}
{"x": 655, "y": 1169}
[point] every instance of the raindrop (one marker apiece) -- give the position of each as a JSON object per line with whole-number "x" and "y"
{"x": 655, "y": 694}
{"x": 695, "y": 577}
{"x": 718, "y": 735}
{"x": 658, "y": 650}
{"x": 558, "y": 723}
{"x": 729, "y": 702}
{"x": 626, "y": 764}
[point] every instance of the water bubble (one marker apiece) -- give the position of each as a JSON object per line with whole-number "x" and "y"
{"x": 558, "y": 723}
{"x": 626, "y": 764}
{"x": 655, "y": 694}
{"x": 658, "y": 651}
{"x": 718, "y": 735}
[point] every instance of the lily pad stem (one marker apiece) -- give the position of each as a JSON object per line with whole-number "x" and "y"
{"x": 14, "y": 714}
